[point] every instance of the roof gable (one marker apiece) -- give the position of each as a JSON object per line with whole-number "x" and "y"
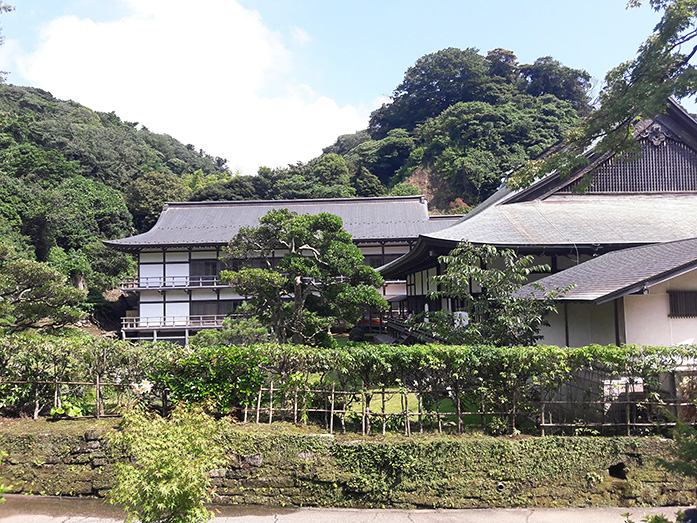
{"x": 667, "y": 162}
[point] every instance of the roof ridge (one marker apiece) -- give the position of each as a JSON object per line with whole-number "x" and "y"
{"x": 302, "y": 200}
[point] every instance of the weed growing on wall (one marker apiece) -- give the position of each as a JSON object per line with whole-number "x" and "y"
{"x": 167, "y": 479}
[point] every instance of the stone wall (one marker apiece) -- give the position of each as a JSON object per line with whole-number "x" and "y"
{"x": 317, "y": 470}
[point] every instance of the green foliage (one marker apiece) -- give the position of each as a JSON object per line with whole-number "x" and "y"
{"x": 222, "y": 377}
{"x": 367, "y": 184}
{"x": 3, "y": 455}
{"x": 319, "y": 281}
{"x": 235, "y": 331}
{"x": 404, "y": 189}
{"x": 34, "y": 295}
{"x": 69, "y": 355}
{"x": 356, "y": 334}
{"x": 63, "y": 168}
{"x": 486, "y": 284}
{"x": 548, "y": 76}
{"x": 226, "y": 379}
{"x": 67, "y": 409}
{"x": 657, "y": 518}
{"x": 167, "y": 480}
{"x": 147, "y": 195}
{"x": 447, "y": 77}
{"x": 431, "y": 85}
{"x": 383, "y": 157}
{"x": 470, "y": 145}
{"x": 685, "y": 457}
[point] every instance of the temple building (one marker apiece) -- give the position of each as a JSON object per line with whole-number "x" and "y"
{"x": 620, "y": 240}
{"x": 178, "y": 292}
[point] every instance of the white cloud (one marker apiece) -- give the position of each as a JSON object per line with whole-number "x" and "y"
{"x": 211, "y": 74}
{"x": 301, "y": 36}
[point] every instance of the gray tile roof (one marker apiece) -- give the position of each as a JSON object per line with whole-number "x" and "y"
{"x": 623, "y": 272}
{"x": 215, "y": 223}
{"x": 585, "y": 219}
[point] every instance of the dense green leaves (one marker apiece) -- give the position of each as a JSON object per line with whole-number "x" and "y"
{"x": 504, "y": 379}
{"x": 34, "y": 295}
{"x": 147, "y": 195}
{"x": 471, "y": 145}
{"x": 168, "y": 480}
{"x": 319, "y": 279}
{"x": 63, "y": 168}
{"x": 486, "y": 283}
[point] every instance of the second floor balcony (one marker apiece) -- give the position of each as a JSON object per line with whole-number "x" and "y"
{"x": 169, "y": 282}
{"x": 196, "y": 322}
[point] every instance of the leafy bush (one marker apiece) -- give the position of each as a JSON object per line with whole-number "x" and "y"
{"x": 356, "y": 334}
{"x": 3, "y": 488}
{"x": 167, "y": 480}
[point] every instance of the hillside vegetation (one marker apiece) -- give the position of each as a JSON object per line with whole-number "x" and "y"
{"x": 71, "y": 177}
{"x": 454, "y": 126}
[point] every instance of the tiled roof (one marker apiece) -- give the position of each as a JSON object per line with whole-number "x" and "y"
{"x": 586, "y": 219}
{"x": 623, "y": 272}
{"x": 215, "y": 223}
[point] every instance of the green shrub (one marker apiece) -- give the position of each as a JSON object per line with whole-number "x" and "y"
{"x": 3, "y": 488}
{"x": 168, "y": 477}
{"x": 356, "y": 334}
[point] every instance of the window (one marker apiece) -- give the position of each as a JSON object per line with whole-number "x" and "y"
{"x": 683, "y": 304}
{"x": 213, "y": 307}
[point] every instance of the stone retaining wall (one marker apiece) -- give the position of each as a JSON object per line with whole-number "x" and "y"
{"x": 454, "y": 472}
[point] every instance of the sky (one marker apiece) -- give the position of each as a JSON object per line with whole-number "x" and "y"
{"x": 272, "y": 82}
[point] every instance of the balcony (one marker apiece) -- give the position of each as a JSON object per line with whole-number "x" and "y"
{"x": 170, "y": 282}
{"x": 211, "y": 321}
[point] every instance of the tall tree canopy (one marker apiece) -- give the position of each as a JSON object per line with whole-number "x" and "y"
{"x": 34, "y": 295}
{"x": 63, "y": 173}
{"x": 441, "y": 79}
{"x": 320, "y": 279}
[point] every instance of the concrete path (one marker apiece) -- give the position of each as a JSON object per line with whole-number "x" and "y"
{"x": 37, "y": 509}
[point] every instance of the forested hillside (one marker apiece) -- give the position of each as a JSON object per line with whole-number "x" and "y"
{"x": 458, "y": 121}
{"x": 71, "y": 177}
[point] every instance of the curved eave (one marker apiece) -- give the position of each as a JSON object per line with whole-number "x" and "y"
{"x": 422, "y": 255}
{"x": 137, "y": 247}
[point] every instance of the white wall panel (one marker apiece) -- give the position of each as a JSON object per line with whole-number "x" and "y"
{"x": 146, "y": 257}
{"x": 176, "y": 256}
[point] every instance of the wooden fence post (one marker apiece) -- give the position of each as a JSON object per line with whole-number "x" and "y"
{"x": 98, "y": 397}
{"x": 331, "y": 412}
{"x": 384, "y": 415}
{"x": 542, "y": 410}
{"x": 362, "y": 407}
{"x": 259, "y": 403}
{"x": 627, "y": 413}
{"x": 458, "y": 409}
{"x": 407, "y": 423}
{"x": 295, "y": 405}
{"x": 270, "y": 402}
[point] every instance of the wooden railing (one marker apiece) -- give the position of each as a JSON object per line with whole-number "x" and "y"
{"x": 166, "y": 282}
{"x": 210, "y": 321}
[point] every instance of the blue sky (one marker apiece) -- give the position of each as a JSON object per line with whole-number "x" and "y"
{"x": 271, "y": 82}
